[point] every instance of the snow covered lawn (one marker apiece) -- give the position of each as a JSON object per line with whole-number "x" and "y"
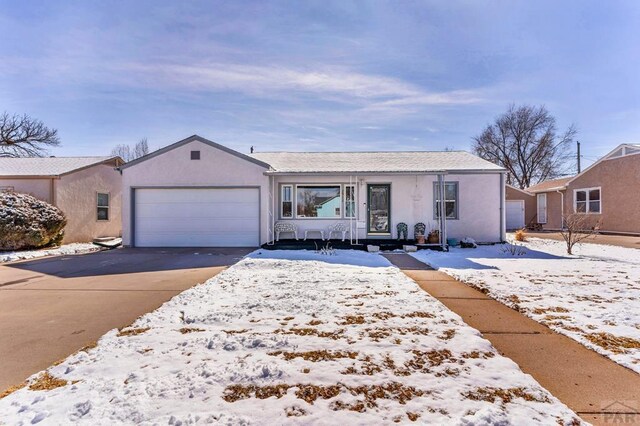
{"x": 592, "y": 297}
{"x": 73, "y": 248}
{"x": 291, "y": 337}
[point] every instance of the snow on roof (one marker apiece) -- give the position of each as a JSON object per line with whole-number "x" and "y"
{"x": 46, "y": 166}
{"x": 550, "y": 185}
{"x": 374, "y": 162}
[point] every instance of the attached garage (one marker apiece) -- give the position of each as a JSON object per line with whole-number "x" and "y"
{"x": 515, "y": 214}
{"x": 195, "y": 193}
{"x": 197, "y": 217}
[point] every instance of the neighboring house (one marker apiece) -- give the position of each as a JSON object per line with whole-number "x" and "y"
{"x": 520, "y": 208}
{"x": 608, "y": 190}
{"x": 199, "y": 193}
{"x": 87, "y": 189}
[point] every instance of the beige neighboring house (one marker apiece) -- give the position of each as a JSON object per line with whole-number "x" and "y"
{"x": 608, "y": 190}
{"x": 520, "y": 207}
{"x": 87, "y": 189}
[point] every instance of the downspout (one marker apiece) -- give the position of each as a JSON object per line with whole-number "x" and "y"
{"x": 561, "y": 208}
{"x": 52, "y": 191}
{"x": 503, "y": 225}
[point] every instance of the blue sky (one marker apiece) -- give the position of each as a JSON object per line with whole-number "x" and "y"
{"x": 306, "y": 75}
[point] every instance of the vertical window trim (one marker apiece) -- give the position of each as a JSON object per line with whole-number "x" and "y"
{"x": 292, "y": 201}
{"x": 587, "y": 192}
{"x": 344, "y": 201}
{"x": 457, "y": 200}
{"x": 108, "y": 206}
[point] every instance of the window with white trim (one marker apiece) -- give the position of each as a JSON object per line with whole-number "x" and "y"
{"x": 349, "y": 201}
{"x": 450, "y": 200}
{"x": 286, "y": 205}
{"x": 587, "y": 200}
{"x": 102, "y": 205}
{"x": 318, "y": 201}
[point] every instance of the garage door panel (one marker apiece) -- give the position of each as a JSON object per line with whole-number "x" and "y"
{"x": 515, "y": 214}
{"x": 196, "y": 225}
{"x": 197, "y": 217}
{"x": 180, "y": 210}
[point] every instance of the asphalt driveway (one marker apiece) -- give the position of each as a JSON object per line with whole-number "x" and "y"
{"x": 51, "y": 307}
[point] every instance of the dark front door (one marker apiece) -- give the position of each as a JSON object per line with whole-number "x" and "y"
{"x": 379, "y": 208}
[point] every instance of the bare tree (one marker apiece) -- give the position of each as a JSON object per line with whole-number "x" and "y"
{"x": 524, "y": 140}
{"x": 577, "y": 228}
{"x": 23, "y": 136}
{"x": 128, "y": 153}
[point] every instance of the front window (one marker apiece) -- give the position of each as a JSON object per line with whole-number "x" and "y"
{"x": 450, "y": 200}
{"x": 287, "y": 201}
{"x": 587, "y": 200}
{"x": 103, "y": 206}
{"x": 318, "y": 201}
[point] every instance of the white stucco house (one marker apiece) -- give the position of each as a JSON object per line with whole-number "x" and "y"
{"x": 197, "y": 193}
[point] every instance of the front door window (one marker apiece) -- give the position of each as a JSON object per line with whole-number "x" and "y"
{"x": 379, "y": 209}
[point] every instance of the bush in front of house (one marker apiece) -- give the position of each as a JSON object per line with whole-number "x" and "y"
{"x": 26, "y": 222}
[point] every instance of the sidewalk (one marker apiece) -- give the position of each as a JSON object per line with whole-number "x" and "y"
{"x": 597, "y": 389}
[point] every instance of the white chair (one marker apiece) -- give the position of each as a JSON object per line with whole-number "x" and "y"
{"x": 340, "y": 228}
{"x": 285, "y": 227}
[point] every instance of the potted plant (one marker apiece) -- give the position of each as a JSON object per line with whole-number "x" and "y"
{"x": 434, "y": 236}
{"x": 420, "y": 238}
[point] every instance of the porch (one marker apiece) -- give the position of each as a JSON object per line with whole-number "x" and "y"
{"x": 315, "y": 244}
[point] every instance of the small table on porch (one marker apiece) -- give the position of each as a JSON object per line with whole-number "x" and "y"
{"x": 320, "y": 231}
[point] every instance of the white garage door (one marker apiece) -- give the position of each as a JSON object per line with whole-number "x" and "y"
{"x": 197, "y": 217}
{"x": 515, "y": 214}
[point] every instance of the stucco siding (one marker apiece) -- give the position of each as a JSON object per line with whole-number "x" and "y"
{"x": 479, "y": 201}
{"x": 175, "y": 168}
{"x": 554, "y": 210}
{"x": 39, "y": 188}
{"x": 530, "y": 213}
{"x": 619, "y": 180}
{"x": 75, "y": 195}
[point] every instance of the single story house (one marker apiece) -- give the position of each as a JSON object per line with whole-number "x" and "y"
{"x": 520, "y": 208}
{"x": 87, "y": 189}
{"x": 196, "y": 192}
{"x": 608, "y": 191}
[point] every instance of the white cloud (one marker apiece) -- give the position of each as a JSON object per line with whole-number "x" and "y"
{"x": 272, "y": 81}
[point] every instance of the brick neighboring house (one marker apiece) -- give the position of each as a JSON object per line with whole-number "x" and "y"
{"x": 87, "y": 189}
{"x": 609, "y": 190}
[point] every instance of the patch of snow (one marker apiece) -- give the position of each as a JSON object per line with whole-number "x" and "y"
{"x": 247, "y": 356}
{"x": 597, "y": 290}
{"x": 66, "y": 249}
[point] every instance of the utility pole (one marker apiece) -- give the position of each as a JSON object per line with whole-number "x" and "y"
{"x": 578, "y": 142}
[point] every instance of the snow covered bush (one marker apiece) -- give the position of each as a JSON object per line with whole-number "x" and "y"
{"x": 26, "y": 222}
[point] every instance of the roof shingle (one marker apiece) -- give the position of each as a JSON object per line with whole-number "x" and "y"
{"x": 46, "y": 166}
{"x": 374, "y": 162}
{"x": 550, "y": 185}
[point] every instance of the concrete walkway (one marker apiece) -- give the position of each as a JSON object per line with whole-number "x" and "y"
{"x": 51, "y": 307}
{"x": 597, "y": 389}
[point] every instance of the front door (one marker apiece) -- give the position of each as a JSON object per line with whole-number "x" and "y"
{"x": 379, "y": 209}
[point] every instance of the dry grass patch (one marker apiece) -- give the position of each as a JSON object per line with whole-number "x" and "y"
{"x": 418, "y": 315}
{"x": 186, "y": 330}
{"x": 370, "y": 394}
{"x": 490, "y": 394}
{"x": 542, "y": 311}
{"x": 132, "y": 331}
{"x": 352, "y": 320}
{"x": 335, "y": 335}
{"x": 295, "y": 412}
{"x": 448, "y": 334}
{"x": 12, "y": 389}
{"x": 46, "y": 381}
{"x": 316, "y": 356}
{"x": 477, "y": 355}
{"x": 314, "y": 322}
{"x": 615, "y": 344}
{"x": 232, "y": 332}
